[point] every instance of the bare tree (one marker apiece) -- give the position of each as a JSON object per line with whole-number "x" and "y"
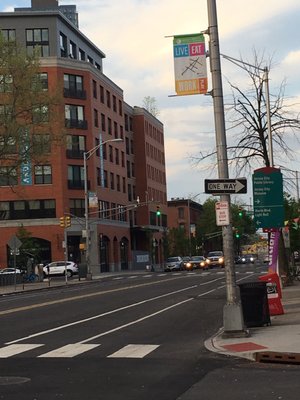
{"x": 27, "y": 118}
{"x": 246, "y": 119}
{"x": 149, "y": 103}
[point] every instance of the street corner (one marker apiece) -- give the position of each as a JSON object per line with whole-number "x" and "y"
{"x": 234, "y": 347}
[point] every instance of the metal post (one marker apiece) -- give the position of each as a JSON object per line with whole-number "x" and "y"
{"x": 66, "y": 252}
{"x": 86, "y": 216}
{"x": 232, "y": 313}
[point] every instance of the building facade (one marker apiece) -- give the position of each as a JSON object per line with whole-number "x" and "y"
{"x": 123, "y": 147}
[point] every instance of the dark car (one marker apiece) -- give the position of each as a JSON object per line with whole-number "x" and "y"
{"x": 248, "y": 258}
{"x": 196, "y": 262}
{"x": 215, "y": 259}
{"x": 173, "y": 264}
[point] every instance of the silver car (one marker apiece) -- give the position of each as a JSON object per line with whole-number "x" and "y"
{"x": 174, "y": 264}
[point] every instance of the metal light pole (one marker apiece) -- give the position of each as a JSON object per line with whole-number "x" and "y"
{"x": 232, "y": 313}
{"x": 86, "y": 156}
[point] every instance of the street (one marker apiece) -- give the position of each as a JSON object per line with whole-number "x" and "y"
{"x": 139, "y": 336}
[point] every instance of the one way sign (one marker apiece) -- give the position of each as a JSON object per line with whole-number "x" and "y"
{"x": 226, "y": 186}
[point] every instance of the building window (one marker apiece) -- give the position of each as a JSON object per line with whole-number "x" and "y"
{"x": 75, "y": 177}
{"x": 94, "y": 89}
{"x": 90, "y": 60}
{"x": 96, "y": 121}
{"x": 40, "y": 82}
{"x": 124, "y": 184}
{"x": 111, "y": 157}
{"x": 37, "y": 39}
{"x": 116, "y": 133}
{"x": 81, "y": 55}
{"x": 103, "y": 209}
{"x": 40, "y": 114}
{"x": 105, "y": 179}
{"x": 127, "y": 146}
{"x": 102, "y": 94}
{"x": 103, "y": 122}
{"x": 112, "y": 181}
{"x": 117, "y": 157}
{"x": 42, "y": 174}
{"x": 8, "y": 176}
{"x": 9, "y": 35}
{"x": 6, "y": 82}
{"x": 20, "y": 209}
{"x": 120, "y": 108}
{"x": 109, "y": 130}
{"x": 77, "y": 207}
{"x": 180, "y": 212}
{"x": 73, "y": 86}
{"x": 108, "y": 103}
{"x": 8, "y": 145}
{"x": 72, "y": 50}
{"x": 75, "y": 146}
{"x": 41, "y": 143}
{"x": 74, "y": 116}
{"x": 63, "y": 45}
{"x": 114, "y": 103}
{"x": 118, "y": 183}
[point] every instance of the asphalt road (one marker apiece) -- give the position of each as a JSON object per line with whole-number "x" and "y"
{"x": 133, "y": 337}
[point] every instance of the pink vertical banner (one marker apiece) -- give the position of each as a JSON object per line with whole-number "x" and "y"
{"x": 273, "y": 251}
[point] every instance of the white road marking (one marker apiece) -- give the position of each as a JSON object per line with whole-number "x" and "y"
{"x": 69, "y": 351}
{"x": 101, "y": 315}
{"x": 134, "y": 351}
{"x": 14, "y": 349}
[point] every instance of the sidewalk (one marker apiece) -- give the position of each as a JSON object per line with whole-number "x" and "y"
{"x": 278, "y": 342}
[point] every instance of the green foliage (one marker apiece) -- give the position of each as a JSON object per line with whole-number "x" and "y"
{"x": 292, "y": 212}
{"x": 30, "y": 248}
{"x": 25, "y": 106}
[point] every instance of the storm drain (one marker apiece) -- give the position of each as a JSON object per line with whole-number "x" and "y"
{"x": 273, "y": 357}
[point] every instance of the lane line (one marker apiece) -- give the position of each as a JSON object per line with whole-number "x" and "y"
{"x": 83, "y": 296}
{"x": 101, "y": 315}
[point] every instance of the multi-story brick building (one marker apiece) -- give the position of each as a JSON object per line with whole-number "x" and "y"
{"x": 126, "y": 179}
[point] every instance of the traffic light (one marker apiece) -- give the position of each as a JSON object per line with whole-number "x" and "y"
{"x": 158, "y": 210}
{"x": 62, "y": 222}
{"x": 240, "y": 212}
{"x": 67, "y": 221}
{"x": 237, "y": 234}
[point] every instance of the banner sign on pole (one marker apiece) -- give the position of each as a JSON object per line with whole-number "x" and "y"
{"x": 190, "y": 64}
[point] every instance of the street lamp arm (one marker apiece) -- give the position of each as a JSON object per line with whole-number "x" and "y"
{"x": 92, "y": 151}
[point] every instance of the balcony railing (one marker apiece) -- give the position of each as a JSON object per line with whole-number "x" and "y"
{"x": 75, "y": 154}
{"x": 75, "y": 94}
{"x": 76, "y": 123}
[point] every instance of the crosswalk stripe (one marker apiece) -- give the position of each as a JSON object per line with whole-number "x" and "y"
{"x": 69, "y": 351}
{"x": 134, "y": 351}
{"x": 15, "y": 349}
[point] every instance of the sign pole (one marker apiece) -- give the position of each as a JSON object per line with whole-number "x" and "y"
{"x": 232, "y": 312}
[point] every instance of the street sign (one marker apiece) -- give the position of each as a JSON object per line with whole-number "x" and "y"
{"x": 222, "y": 213}
{"x": 268, "y": 198}
{"x": 226, "y": 186}
{"x": 14, "y": 243}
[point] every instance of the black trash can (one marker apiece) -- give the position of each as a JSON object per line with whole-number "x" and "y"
{"x": 82, "y": 270}
{"x": 255, "y": 305}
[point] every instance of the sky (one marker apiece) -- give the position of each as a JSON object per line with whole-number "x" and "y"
{"x": 136, "y": 37}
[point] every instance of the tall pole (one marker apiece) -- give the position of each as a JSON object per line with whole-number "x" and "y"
{"x": 232, "y": 313}
{"x": 86, "y": 216}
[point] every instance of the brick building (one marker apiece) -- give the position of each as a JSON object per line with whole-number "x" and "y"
{"x": 126, "y": 179}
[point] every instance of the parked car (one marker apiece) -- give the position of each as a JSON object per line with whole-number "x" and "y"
{"x": 196, "y": 262}
{"x": 215, "y": 259}
{"x": 5, "y": 271}
{"x": 248, "y": 258}
{"x": 173, "y": 264}
{"x": 59, "y": 268}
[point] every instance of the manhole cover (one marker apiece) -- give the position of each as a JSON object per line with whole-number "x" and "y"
{"x": 13, "y": 380}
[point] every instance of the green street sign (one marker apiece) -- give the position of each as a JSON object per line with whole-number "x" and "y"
{"x": 268, "y": 198}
